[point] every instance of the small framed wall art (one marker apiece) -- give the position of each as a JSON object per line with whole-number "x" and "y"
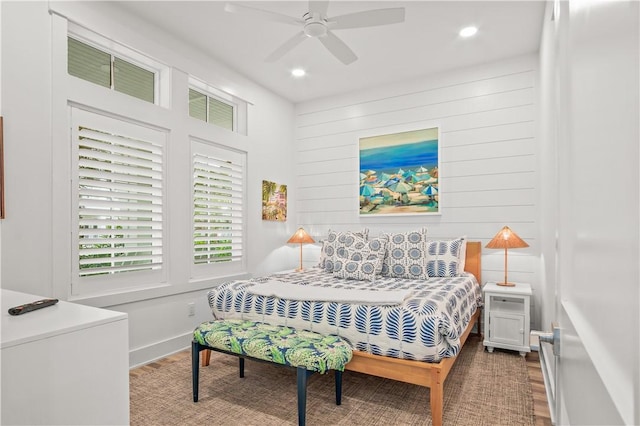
{"x": 274, "y": 201}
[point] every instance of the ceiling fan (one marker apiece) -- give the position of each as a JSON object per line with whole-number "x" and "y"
{"x": 316, "y": 24}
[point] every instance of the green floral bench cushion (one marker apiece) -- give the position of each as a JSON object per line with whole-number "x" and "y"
{"x": 276, "y": 343}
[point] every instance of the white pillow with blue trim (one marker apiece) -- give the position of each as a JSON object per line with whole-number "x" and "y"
{"x": 406, "y": 255}
{"x": 445, "y": 258}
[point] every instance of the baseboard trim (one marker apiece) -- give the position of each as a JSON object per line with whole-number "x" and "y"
{"x": 548, "y": 375}
{"x": 146, "y": 354}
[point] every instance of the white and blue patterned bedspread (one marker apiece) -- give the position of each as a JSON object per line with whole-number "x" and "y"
{"x": 426, "y": 327}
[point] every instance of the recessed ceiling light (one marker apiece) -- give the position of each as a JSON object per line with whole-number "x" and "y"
{"x": 298, "y": 72}
{"x": 468, "y": 31}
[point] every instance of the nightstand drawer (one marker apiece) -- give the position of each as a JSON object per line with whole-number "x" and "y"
{"x": 507, "y": 304}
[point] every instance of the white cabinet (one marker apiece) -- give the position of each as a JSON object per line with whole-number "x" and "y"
{"x": 507, "y": 317}
{"x": 66, "y": 364}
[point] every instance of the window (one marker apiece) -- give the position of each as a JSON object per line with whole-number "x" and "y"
{"x": 100, "y": 67}
{"x": 218, "y": 197}
{"x": 211, "y": 109}
{"x": 119, "y": 196}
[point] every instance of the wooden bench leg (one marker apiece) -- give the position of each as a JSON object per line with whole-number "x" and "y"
{"x": 195, "y": 368}
{"x": 206, "y": 357}
{"x": 303, "y": 375}
{"x": 338, "y": 377}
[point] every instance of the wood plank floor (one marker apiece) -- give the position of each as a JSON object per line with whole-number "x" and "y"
{"x": 540, "y": 406}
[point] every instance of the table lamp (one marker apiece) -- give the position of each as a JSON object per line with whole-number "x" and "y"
{"x": 506, "y": 239}
{"x": 301, "y": 237}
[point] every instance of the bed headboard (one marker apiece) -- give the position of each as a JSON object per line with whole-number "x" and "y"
{"x": 472, "y": 263}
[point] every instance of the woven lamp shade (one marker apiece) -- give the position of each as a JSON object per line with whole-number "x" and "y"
{"x": 301, "y": 237}
{"x": 506, "y": 239}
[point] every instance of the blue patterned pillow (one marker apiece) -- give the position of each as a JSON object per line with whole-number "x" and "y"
{"x": 337, "y": 241}
{"x": 359, "y": 264}
{"x": 445, "y": 258}
{"x": 406, "y": 255}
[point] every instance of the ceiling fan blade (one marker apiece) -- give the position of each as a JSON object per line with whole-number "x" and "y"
{"x": 319, "y": 7}
{"x": 338, "y": 48}
{"x": 286, "y": 47}
{"x": 369, "y": 18}
{"x": 263, "y": 14}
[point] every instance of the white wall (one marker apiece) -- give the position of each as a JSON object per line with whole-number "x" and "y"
{"x": 549, "y": 114}
{"x": 35, "y": 235}
{"x": 590, "y": 106}
{"x": 489, "y": 158}
{"x": 0, "y": 220}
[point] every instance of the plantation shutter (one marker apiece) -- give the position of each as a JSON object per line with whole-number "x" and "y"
{"x": 119, "y": 195}
{"x": 218, "y": 194}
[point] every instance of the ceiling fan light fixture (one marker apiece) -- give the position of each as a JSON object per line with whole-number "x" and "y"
{"x": 315, "y": 29}
{"x": 468, "y": 31}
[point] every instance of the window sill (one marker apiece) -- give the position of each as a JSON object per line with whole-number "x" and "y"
{"x": 163, "y": 290}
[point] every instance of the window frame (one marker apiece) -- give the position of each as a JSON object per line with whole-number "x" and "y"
{"x": 203, "y": 270}
{"x": 82, "y": 286}
{"x": 239, "y": 105}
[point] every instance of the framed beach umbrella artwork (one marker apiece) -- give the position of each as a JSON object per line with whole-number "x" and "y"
{"x": 399, "y": 173}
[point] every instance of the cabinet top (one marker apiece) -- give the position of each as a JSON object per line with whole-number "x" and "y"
{"x": 519, "y": 288}
{"x": 64, "y": 317}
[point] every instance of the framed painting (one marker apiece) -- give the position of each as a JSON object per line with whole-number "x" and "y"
{"x": 399, "y": 173}
{"x": 274, "y": 201}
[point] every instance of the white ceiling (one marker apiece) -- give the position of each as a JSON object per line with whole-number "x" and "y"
{"x": 426, "y": 43}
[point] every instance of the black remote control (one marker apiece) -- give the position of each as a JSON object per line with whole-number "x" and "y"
{"x": 23, "y": 309}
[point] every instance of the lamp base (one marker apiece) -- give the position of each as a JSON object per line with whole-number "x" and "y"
{"x": 506, "y": 284}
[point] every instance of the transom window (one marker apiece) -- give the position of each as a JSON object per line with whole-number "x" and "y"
{"x": 108, "y": 70}
{"x": 210, "y": 109}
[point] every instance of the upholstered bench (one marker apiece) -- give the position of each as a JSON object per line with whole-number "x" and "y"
{"x": 307, "y": 351}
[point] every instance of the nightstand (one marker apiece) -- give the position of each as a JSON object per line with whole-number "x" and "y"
{"x": 507, "y": 317}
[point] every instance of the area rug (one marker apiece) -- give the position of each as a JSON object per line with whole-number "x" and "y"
{"x": 482, "y": 389}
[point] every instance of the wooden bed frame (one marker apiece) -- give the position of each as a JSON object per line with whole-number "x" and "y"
{"x": 431, "y": 375}
{"x": 428, "y": 374}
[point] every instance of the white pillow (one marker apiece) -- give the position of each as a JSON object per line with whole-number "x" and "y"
{"x": 357, "y": 264}
{"x": 406, "y": 255}
{"x": 446, "y": 258}
{"x": 337, "y": 241}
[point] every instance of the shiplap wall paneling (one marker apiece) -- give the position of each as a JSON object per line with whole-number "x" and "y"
{"x": 487, "y": 134}
{"x": 488, "y": 164}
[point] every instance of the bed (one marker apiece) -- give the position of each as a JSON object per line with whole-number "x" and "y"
{"x": 415, "y": 341}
